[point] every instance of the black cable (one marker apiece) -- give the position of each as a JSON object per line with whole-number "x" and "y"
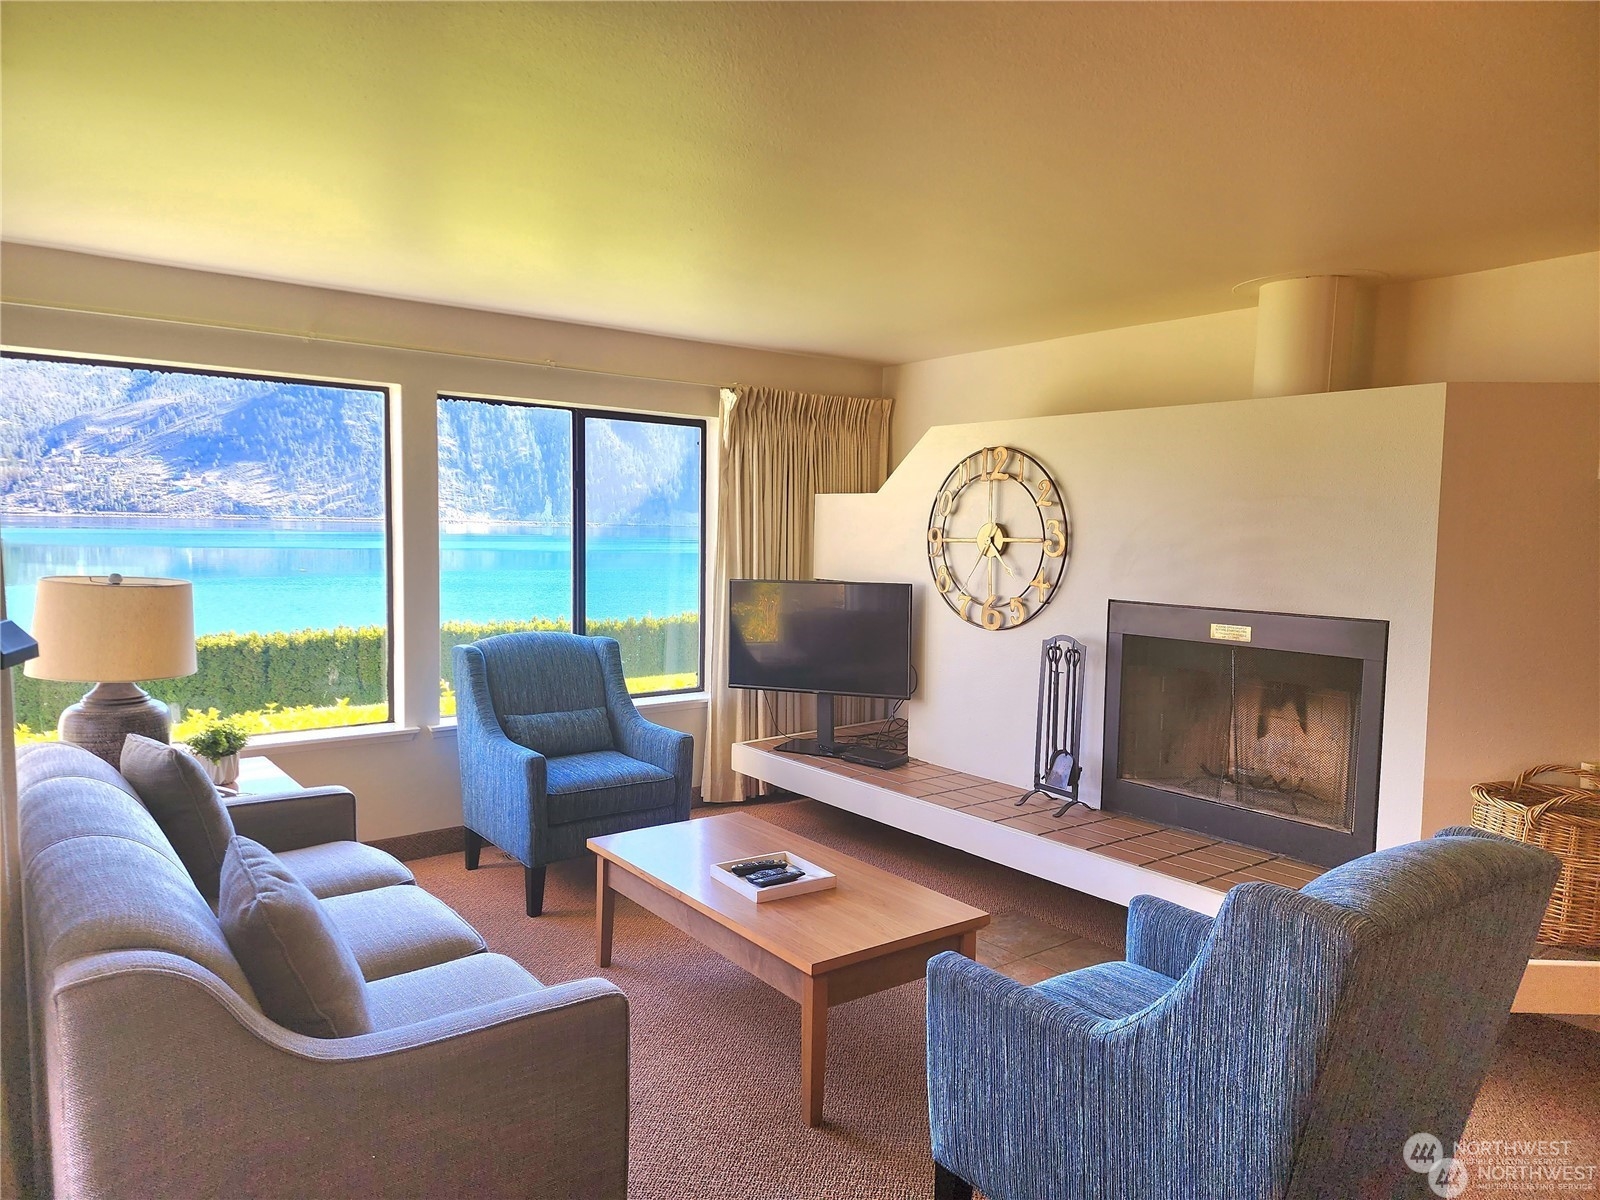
{"x": 772, "y": 712}
{"x": 891, "y": 736}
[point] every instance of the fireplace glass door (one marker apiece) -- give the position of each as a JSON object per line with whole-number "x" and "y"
{"x": 1271, "y": 731}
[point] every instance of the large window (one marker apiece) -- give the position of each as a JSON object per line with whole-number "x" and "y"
{"x": 269, "y": 495}
{"x": 556, "y": 518}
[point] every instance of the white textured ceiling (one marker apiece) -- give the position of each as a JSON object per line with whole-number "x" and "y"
{"x": 884, "y": 181}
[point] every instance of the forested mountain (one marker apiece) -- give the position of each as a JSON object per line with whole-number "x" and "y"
{"x": 92, "y": 439}
{"x": 511, "y": 462}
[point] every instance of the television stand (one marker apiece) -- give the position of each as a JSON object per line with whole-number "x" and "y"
{"x": 812, "y": 746}
{"x": 823, "y": 745}
{"x": 826, "y": 745}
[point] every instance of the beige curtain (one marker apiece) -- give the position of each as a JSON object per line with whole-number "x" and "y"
{"x": 779, "y": 450}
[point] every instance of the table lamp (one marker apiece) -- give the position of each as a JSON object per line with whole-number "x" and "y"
{"x": 110, "y": 630}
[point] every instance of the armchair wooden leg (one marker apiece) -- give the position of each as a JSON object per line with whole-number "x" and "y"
{"x": 533, "y": 884}
{"x": 947, "y": 1185}
{"x": 474, "y": 845}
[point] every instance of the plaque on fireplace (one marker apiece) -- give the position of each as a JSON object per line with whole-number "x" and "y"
{"x": 1263, "y": 728}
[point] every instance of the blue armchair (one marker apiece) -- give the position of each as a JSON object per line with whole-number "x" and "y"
{"x": 1287, "y": 1048}
{"x": 553, "y": 752}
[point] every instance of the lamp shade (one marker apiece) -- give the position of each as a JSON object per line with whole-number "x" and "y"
{"x": 94, "y": 628}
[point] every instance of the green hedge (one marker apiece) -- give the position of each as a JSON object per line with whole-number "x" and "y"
{"x": 243, "y": 671}
{"x": 240, "y": 672}
{"x": 650, "y": 645}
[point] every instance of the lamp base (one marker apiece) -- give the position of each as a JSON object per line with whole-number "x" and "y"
{"x": 108, "y": 714}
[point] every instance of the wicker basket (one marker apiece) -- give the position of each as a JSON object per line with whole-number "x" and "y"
{"x": 1564, "y": 821}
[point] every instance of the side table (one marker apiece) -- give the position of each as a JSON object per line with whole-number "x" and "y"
{"x": 260, "y": 777}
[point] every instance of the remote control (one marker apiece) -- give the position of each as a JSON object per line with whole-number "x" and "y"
{"x": 765, "y": 879}
{"x": 746, "y": 869}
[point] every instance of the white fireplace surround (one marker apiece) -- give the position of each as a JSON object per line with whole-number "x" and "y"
{"x": 1339, "y": 504}
{"x": 1467, "y": 516}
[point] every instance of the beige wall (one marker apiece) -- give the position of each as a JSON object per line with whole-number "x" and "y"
{"x": 1516, "y": 626}
{"x": 1535, "y": 323}
{"x": 1192, "y": 361}
{"x": 1307, "y": 504}
{"x": 1338, "y": 504}
{"x": 1538, "y": 322}
{"x": 405, "y": 782}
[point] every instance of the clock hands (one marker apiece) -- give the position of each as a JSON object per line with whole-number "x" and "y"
{"x": 991, "y": 542}
{"x": 972, "y": 572}
{"x": 997, "y": 541}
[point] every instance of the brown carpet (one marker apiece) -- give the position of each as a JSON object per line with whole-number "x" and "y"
{"x": 716, "y": 1053}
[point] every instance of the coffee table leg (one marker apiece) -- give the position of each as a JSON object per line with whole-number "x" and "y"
{"x": 605, "y": 907}
{"x": 969, "y": 944}
{"x": 813, "y": 1047}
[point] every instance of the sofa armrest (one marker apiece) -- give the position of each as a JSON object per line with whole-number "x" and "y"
{"x": 502, "y": 782}
{"x": 667, "y": 749}
{"x": 295, "y": 820}
{"x": 526, "y": 1096}
{"x": 1164, "y": 936}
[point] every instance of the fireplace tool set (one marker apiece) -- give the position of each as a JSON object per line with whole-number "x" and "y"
{"x": 1056, "y": 751}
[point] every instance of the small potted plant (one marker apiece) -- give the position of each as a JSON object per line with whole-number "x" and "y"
{"x": 217, "y": 744}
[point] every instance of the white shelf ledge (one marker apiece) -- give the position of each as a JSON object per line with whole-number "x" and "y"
{"x": 1562, "y": 986}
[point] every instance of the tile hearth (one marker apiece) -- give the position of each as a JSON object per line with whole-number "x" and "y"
{"x": 1176, "y": 852}
{"x": 1030, "y": 950}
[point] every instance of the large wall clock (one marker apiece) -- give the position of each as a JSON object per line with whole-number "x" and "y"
{"x": 998, "y": 538}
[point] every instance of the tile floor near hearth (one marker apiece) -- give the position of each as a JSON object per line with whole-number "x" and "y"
{"x": 1030, "y": 950}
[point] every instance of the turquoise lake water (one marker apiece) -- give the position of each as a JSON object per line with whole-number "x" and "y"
{"x": 262, "y": 577}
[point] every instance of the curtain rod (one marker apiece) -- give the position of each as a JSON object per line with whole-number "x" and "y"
{"x": 548, "y": 364}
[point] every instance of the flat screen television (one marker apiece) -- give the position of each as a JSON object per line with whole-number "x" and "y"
{"x": 829, "y": 637}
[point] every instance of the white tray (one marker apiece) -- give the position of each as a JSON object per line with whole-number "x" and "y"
{"x": 816, "y": 879}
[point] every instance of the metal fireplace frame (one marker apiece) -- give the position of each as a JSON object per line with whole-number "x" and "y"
{"x": 1340, "y": 637}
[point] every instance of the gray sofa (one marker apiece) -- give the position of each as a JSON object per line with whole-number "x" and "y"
{"x": 158, "y": 1074}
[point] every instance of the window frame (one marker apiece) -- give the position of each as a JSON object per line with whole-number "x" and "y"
{"x": 390, "y": 448}
{"x": 579, "y": 415}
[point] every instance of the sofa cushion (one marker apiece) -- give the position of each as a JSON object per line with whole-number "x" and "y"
{"x": 339, "y": 868}
{"x": 184, "y": 802}
{"x": 91, "y": 893}
{"x": 558, "y": 733}
{"x": 393, "y": 930}
{"x": 1111, "y": 990}
{"x": 449, "y": 987}
{"x": 65, "y": 807}
{"x": 604, "y": 783}
{"x": 55, "y": 760}
{"x": 302, "y": 969}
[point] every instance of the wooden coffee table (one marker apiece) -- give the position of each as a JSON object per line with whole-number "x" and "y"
{"x": 872, "y": 932}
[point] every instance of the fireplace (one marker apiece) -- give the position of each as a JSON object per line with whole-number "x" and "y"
{"x": 1262, "y": 728}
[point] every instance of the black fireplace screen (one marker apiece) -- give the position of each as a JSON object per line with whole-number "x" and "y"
{"x": 1257, "y": 727}
{"x": 1271, "y": 731}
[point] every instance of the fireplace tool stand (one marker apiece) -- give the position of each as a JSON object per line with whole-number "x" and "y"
{"x": 1056, "y": 762}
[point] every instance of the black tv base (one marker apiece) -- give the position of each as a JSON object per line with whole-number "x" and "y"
{"x": 825, "y": 745}
{"x": 811, "y": 746}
